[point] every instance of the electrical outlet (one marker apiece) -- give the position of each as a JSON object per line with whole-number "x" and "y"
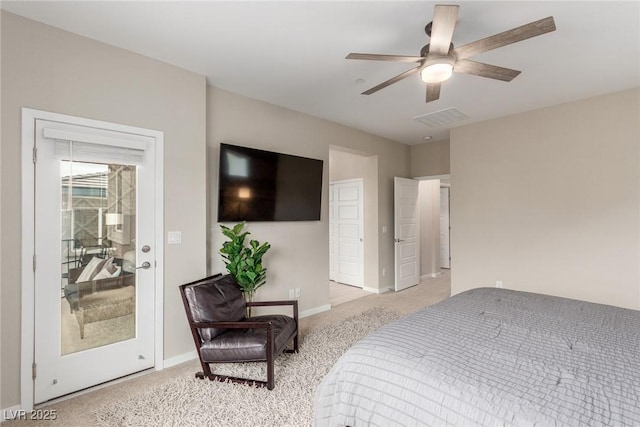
{"x": 292, "y": 294}
{"x": 384, "y": 272}
{"x": 297, "y": 293}
{"x": 499, "y": 284}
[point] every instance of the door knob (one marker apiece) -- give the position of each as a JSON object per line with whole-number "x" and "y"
{"x": 145, "y": 265}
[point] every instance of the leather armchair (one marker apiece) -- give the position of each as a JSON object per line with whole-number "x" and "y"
{"x": 216, "y": 310}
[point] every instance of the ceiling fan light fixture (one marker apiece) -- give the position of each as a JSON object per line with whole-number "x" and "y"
{"x": 437, "y": 70}
{"x": 440, "y": 58}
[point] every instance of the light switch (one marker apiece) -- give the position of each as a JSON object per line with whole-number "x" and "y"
{"x": 174, "y": 237}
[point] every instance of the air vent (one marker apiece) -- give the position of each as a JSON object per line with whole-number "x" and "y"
{"x": 442, "y": 118}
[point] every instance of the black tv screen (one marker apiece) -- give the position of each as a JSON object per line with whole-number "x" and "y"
{"x": 258, "y": 185}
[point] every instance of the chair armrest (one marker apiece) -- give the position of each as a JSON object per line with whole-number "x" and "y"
{"x": 293, "y": 303}
{"x": 270, "y": 303}
{"x": 232, "y": 325}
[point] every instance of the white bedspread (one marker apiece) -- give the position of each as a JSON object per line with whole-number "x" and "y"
{"x": 491, "y": 357}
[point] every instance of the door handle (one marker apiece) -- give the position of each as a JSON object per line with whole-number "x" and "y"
{"x": 399, "y": 240}
{"x": 145, "y": 266}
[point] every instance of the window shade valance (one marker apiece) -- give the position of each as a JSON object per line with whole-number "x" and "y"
{"x": 84, "y": 146}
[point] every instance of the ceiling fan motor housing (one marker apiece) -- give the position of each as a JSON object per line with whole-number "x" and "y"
{"x": 425, "y": 49}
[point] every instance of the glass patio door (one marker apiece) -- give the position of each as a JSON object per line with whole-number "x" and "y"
{"x": 94, "y": 228}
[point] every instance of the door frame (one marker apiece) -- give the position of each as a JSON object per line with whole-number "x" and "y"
{"x": 27, "y": 345}
{"x": 448, "y": 230}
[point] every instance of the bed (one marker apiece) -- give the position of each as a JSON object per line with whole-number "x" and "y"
{"x": 491, "y": 357}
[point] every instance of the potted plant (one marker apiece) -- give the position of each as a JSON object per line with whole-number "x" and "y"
{"x": 243, "y": 262}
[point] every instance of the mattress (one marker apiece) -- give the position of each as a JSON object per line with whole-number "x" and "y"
{"x": 491, "y": 357}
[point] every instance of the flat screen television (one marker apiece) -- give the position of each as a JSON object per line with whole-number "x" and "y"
{"x": 258, "y": 185}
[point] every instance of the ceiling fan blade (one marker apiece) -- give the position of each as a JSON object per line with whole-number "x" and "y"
{"x": 377, "y": 57}
{"x": 444, "y": 22}
{"x": 514, "y": 35}
{"x": 433, "y": 91}
{"x": 485, "y": 70}
{"x": 391, "y": 81}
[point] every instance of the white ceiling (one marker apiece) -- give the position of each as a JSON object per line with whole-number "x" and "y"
{"x": 291, "y": 53}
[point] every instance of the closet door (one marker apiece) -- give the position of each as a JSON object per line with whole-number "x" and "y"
{"x": 347, "y": 226}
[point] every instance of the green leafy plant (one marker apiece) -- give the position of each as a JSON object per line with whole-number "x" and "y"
{"x": 244, "y": 262}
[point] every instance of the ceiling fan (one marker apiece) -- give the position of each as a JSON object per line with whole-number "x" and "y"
{"x": 439, "y": 59}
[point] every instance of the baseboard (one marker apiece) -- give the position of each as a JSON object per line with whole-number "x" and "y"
{"x": 314, "y": 310}
{"x": 431, "y": 275}
{"x": 376, "y": 290}
{"x": 13, "y": 413}
{"x": 181, "y": 358}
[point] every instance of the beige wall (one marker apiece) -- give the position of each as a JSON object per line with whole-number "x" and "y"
{"x": 549, "y": 201}
{"x": 345, "y": 165}
{"x": 48, "y": 69}
{"x": 348, "y": 165}
{"x": 300, "y": 250}
{"x": 430, "y": 158}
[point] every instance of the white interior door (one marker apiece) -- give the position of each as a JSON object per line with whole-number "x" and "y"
{"x": 407, "y": 233}
{"x": 94, "y": 257}
{"x": 346, "y": 225}
{"x": 445, "y": 229}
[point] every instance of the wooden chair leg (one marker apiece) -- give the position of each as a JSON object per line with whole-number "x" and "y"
{"x": 270, "y": 356}
{"x": 206, "y": 370}
{"x": 270, "y": 381}
{"x": 295, "y": 345}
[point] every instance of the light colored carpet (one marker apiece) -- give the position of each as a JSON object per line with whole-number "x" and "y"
{"x": 187, "y": 401}
{"x": 77, "y": 410}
